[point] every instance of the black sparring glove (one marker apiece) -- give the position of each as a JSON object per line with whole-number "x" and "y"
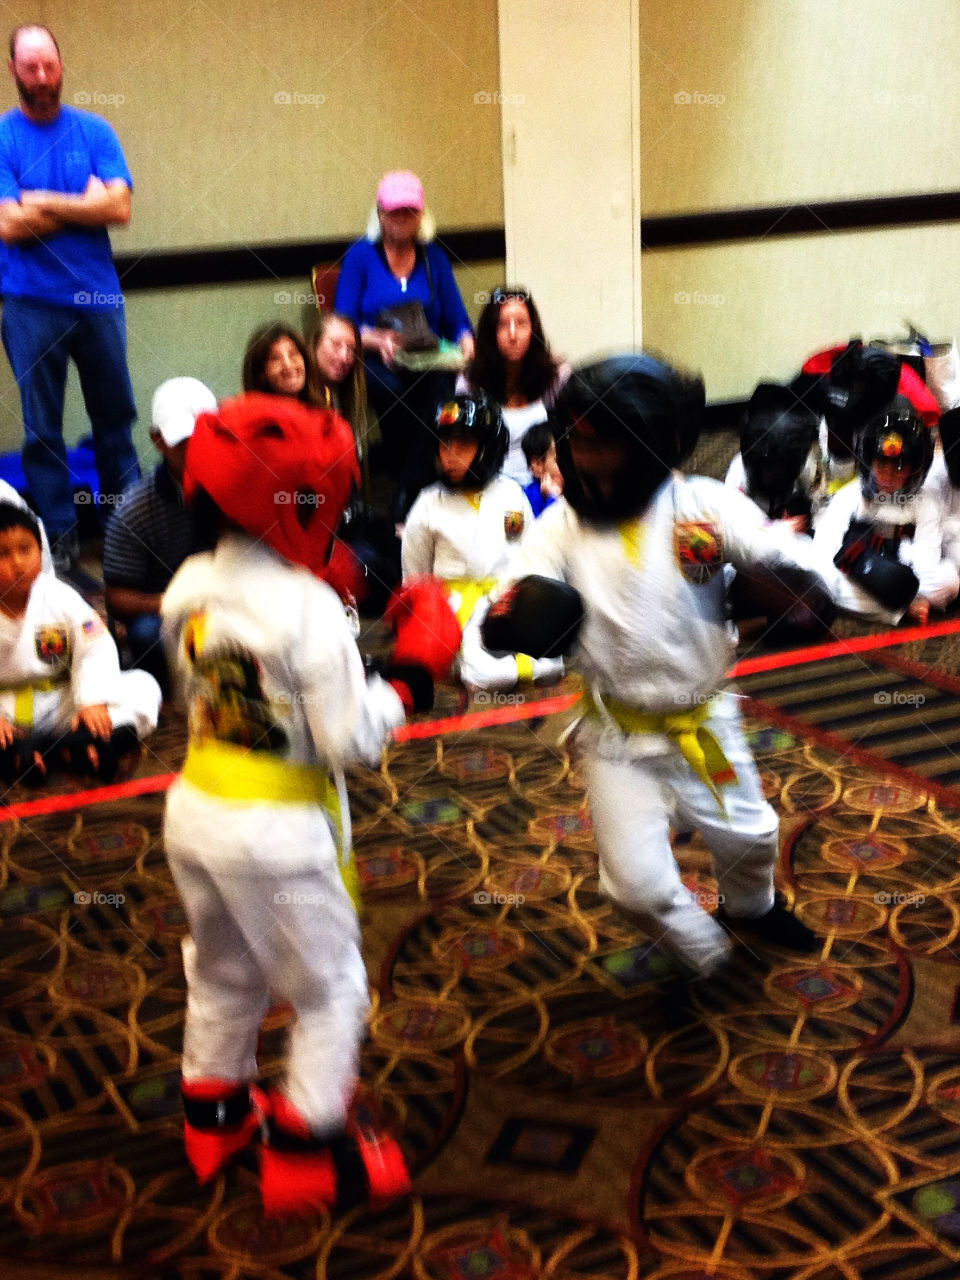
{"x": 796, "y": 602}
{"x": 537, "y": 616}
{"x": 861, "y": 557}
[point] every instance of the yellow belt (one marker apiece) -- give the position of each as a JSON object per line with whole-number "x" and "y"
{"x": 471, "y": 591}
{"x": 697, "y": 744}
{"x": 249, "y": 777}
{"x": 23, "y": 696}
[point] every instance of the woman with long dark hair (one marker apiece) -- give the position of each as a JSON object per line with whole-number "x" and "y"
{"x": 513, "y": 364}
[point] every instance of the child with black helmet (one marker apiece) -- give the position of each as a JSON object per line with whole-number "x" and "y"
{"x": 887, "y": 531}
{"x": 780, "y": 465}
{"x": 646, "y": 548}
{"x": 464, "y": 530}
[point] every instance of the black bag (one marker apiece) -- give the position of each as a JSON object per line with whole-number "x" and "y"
{"x": 409, "y": 320}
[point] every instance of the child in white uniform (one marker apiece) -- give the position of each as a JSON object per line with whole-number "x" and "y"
{"x": 464, "y": 530}
{"x": 63, "y": 698}
{"x": 887, "y": 531}
{"x": 256, "y": 829}
{"x": 646, "y": 548}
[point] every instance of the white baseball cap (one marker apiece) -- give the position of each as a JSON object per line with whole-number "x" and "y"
{"x": 176, "y": 404}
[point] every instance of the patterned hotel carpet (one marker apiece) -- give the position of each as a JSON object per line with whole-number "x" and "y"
{"x": 562, "y": 1118}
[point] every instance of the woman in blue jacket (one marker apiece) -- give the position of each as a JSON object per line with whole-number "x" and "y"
{"x": 394, "y": 264}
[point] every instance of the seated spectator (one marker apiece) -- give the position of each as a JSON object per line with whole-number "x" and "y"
{"x": 887, "y": 531}
{"x": 780, "y": 465}
{"x": 63, "y": 698}
{"x": 464, "y": 529}
{"x": 151, "y": 533}
{"x": 540, "y": 453}
{"x": 277, "y": 361}
{"x": 400, "y": 289}
{"x": 514, "y": 365}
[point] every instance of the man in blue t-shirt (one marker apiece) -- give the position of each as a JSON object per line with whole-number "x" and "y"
{"x": 63, "y": 181}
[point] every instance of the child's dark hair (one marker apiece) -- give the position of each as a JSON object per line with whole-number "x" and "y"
{"x": 536, "y": 442}
{"x": 14, "y": 517}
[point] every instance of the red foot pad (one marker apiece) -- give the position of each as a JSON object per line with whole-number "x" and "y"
{"x": 218, "y": 1122}
{"x": 301, "y": 1174}
{"x": 383, "y": 1163}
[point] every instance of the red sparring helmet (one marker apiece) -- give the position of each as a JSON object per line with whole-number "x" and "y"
{"x": 281, "y": 470}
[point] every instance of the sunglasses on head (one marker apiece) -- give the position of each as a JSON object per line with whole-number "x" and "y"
{"x": 518, "y": 294}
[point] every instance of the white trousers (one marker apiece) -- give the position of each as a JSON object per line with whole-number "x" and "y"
{"x": 259, "y": 935}
{"x": 634, "y": 798}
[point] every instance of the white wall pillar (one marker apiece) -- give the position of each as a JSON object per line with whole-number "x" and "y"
{"x": 570, "y": 101}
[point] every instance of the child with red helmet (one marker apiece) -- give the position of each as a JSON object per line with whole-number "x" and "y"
{"x": 257, "y": 826}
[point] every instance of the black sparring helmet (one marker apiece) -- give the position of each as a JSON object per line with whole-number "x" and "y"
{"x": 639, "y": 404}
{"x": 480, "y": 419}
{"x": 848, "y": 386}
{"x": 897, "y": 436}
{"x": 778, "y": 435}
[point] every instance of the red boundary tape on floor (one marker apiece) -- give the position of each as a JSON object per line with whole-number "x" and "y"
{"x": 529, "y": 710}
{"x": 840, "y": 648}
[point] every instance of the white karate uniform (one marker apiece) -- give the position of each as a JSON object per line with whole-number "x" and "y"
{"x": 59, "y": 658}
{"x": 470, "y": 539}
{"x": 270, "y": 671}
{"x": 925, "y": 552}
{"x": 658, "y": 642}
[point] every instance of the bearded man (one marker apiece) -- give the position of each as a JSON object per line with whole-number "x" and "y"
{"x": 63, "y": 181}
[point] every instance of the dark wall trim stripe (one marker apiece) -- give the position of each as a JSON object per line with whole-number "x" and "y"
{"x": 798, "y": 219}
{"x": 245, "y": 263}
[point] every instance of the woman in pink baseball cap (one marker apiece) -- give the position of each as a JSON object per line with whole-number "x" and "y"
{"x": 395, "y": 265}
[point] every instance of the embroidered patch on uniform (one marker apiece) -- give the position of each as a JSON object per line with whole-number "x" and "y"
{"x": 512, "y": 525}
{"x": 699, "y": 548}
{"x": 52, "y": 644}
{"x": 93, "y": 627}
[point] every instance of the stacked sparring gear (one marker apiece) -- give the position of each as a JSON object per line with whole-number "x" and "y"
{"x": 474, "y": 417}
{"x": 277, "y": 703}
{"x": 780, "y": 452}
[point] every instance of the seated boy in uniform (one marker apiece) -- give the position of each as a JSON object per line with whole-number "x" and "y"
{"x": 63, "y": 699}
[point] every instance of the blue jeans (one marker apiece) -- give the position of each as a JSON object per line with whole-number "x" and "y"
{"x": 39, "y": 338}
{"x": 146, "y": 649}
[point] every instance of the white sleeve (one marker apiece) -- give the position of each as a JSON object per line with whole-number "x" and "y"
{"x": 937, "y": 574}
{"x": 736, "y": 476}
{"x": 750, "y": 538}
{"x": 349, "y": 716}
{"x": 417, "y": 547}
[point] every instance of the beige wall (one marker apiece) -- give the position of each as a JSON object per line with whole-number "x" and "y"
{"x": 571, "y": 174}
{"x": 795, "y": 101}
{"x": 258, "y": 123}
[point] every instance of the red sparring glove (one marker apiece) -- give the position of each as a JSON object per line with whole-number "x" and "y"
{"x": 427, "y": 640}
{"x": 344, "y": 572}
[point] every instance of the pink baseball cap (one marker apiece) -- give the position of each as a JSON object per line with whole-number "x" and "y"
{"x": 400, "y": 189}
